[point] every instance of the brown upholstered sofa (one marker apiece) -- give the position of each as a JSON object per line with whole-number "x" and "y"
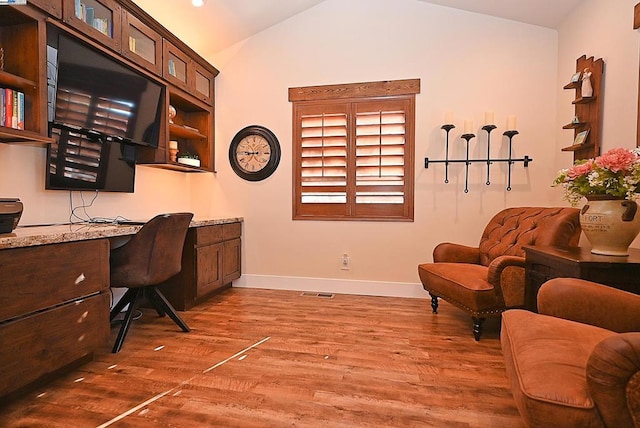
{"x": 576, "y": 363}
{"x": 488, "y": 279}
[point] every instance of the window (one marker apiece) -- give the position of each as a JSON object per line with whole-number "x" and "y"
{"x": 353, "y": 151}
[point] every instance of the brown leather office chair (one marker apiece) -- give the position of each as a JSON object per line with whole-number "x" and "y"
{"x": 488, "y": 279}
{"x": 152, "y": 256}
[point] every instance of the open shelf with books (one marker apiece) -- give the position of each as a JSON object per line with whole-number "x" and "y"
{"x": 22, "y": 112}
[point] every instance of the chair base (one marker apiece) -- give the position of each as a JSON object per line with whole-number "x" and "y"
{"x": 132, "y": 297}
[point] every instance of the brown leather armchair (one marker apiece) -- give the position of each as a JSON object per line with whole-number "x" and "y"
{"x": 488, "y": 279}
{"x": 577, "y": 362}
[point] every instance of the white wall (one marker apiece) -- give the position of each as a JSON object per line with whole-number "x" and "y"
{"x": 467, "y": 63}
{"x": 602, "y": 29}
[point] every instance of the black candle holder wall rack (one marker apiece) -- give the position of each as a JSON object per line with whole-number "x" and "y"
{"x": 488, "y": 160}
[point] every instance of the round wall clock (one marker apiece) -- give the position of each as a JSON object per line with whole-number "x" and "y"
{"x": 254, "y": 153}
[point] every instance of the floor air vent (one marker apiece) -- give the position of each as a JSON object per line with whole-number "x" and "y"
{"x": 314, "y": 294}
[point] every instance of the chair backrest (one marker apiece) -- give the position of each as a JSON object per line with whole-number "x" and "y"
{"x": 512, "y": 228}
{"x": 154, "y": 254}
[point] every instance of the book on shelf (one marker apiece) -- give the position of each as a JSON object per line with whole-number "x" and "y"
{"x": 11, "y": 108}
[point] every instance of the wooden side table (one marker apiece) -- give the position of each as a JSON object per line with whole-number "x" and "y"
{"x": 544, "y": 263}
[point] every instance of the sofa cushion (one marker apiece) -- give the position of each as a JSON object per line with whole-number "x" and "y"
{"x": 463, "y": 284}
{"x": 547, "y": 367}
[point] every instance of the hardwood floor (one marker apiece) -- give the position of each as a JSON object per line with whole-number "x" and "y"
{"x": 263, "y": 358}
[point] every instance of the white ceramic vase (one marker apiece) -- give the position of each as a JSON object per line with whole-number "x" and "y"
{"x": 610, "y": 224}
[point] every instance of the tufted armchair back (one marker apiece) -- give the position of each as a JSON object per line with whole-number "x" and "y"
{"x": 512, "y": 228}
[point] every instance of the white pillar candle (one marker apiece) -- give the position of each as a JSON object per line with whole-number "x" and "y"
{"x": 468, "y": 126}
{"x": 511, "y": 122}
{"x": 448, "y": 118}
{"x": 173, "y": 144}
{"x": 488, "y": 118}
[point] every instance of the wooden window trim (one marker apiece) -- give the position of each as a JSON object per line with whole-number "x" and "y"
{"x": 397, "y": 195}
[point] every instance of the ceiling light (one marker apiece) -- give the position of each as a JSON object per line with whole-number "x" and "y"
{"x": 197, "y": 3}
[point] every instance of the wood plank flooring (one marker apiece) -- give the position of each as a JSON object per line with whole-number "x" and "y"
{"x": 264, "y": 358}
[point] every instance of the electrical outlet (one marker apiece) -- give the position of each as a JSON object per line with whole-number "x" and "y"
{"x": 345, "y": 262}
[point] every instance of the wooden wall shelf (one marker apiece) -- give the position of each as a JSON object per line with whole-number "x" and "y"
{"x": 587, "y": 109}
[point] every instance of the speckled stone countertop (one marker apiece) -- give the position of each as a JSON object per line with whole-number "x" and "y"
{"x": 28, "y": 236}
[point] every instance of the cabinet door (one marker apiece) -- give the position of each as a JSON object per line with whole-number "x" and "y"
{"x": 231, "y": 261}
{"x": 141, "y": 44}
{"x": 177, "y": 66}
{"x": 209, "y": 269}
{"x": 98, "y": 19}
{"x": 203, "y": 84}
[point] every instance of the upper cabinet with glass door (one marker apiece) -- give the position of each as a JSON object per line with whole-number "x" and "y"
{"x": 141, "y": 44}
{"x": 101, "y": 19}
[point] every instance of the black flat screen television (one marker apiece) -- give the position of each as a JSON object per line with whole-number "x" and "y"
{"x": 81, "y": 160}
{"x": 92, "y": 91}
{"x": 99, "y": 110}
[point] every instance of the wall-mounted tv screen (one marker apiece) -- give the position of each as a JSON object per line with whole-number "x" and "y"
{"x": 80, "y": 160}
{"x": 91, "y": 91}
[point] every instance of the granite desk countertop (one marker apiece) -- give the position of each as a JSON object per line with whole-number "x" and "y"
{"x": 28, "y": 236}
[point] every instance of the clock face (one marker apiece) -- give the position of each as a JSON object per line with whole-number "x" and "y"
{"x": 254, "y": 153}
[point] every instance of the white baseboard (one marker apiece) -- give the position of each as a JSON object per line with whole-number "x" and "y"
{"x": 330, "y": 285}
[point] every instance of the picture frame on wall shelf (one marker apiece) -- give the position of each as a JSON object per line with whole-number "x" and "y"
{"x": 576, "y": 77}
{"x": 581, "y": 138}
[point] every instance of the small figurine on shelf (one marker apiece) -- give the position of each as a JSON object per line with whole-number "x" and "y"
{"x": 172, "y": 113}
{"x": 575, "y": 120}
{"x": 587, "y": 89}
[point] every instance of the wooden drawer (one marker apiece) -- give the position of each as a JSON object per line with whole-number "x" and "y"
{"x": 207, "y": 235}
{"x": 231, "y": 231}
{"x": 36, "y": 278}
{"x": 44, "y": 342}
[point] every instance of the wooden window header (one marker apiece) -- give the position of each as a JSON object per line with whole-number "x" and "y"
{"x": 355, "y": 90}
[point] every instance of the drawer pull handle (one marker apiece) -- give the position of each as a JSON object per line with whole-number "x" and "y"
{"x": 80, "y": 278}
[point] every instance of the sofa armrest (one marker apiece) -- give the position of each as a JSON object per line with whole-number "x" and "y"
{"x": 456, "y": 253}
{"x": 499, "y": 264}
{"x": 613, "y": 379}
{"x": 506, "y": 274}
{"x": 590, "y": 303}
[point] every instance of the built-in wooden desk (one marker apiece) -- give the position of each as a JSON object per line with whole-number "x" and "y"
{"x": 545, "y": 263}
{"x": 54, "y": 291}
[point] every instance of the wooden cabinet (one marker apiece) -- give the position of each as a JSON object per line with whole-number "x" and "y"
{"x": 141, "y": 44}
{"x": 587, "y": 109}
{"x": 52, "y": 7}
{"x": 99, "y": 19}
{"x": 210, "y": 262}
{"x": 545, "y": 263}
{"x": 24, "y": 64}
{"x": 54, "y": 308}
{"x": 121, "y": 29}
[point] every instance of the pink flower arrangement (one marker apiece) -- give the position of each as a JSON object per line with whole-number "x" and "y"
{"x": 616, "y": 174}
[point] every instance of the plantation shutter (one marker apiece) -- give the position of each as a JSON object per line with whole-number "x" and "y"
{"x": 353, "y": 157}
{"x": 383, "y": 161}
{"x": 322, "y": 164}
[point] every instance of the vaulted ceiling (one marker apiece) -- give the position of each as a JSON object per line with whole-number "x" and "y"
{"x": 221, "y": 23}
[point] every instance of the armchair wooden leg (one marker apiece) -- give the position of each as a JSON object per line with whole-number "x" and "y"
{"x": 477, "y": 327}
{"x": 434, "y": 304}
